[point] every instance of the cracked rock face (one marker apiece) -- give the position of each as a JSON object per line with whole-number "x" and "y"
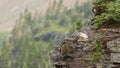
{"x": 115, "y": 57}
{"x": 72, "y": 51}
{"x": 55, "y": 55}
{"x": 114, "y": 46}
{"x": 110, "y": 38}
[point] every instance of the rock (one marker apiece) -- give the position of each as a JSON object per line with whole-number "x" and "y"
{"x": 114, "y": 45}
{"x": 55, "y": 55}
{"x": 115, "y": 57}
{"x": 73, "y": 51}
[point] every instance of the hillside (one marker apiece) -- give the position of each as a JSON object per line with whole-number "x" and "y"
{"x": 11, "y": 9}
{"x": 29, "y": 43}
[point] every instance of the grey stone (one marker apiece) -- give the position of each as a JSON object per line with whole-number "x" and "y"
{"x": 115, "y": 57}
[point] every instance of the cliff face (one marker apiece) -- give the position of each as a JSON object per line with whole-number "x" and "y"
{"x": 73, "y": 51}
{"x": 110, "y": 44}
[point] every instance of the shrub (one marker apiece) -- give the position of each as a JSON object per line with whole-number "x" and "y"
{"x": 78, "y": 24}
{"x": 111, "y": 14}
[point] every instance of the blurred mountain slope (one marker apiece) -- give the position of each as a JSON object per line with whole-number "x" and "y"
{"x": 11, "y": 9}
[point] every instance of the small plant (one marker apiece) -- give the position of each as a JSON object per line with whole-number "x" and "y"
{"x": 78, "y": 24}
{"x": 96, "y": 57}
{"x": 97, "y": 49}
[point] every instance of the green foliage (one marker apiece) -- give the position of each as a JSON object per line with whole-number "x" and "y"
{"x": 5, "y": 55}
{"x": 114, "y": 11}
{"x": 100, "y": 19}
{"x": 111, "y": 14}
{"x": 66, "y": 16}
{"x": 78, "y": 24}
{"x": 97, "y": 55}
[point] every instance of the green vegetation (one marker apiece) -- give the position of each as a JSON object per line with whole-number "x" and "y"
{"x": 33, "y": 35}
{"x": 78, "y": 24}
{"x": 97, "y": 56}
{"x": 109, "y": 12}
{"x": 3, "y": 37}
